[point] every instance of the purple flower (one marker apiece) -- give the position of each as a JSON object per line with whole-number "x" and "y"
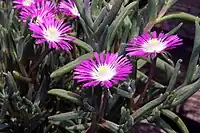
{"x": 152, "y": 43}
{"x": 52, "y": 31}
{"x": 105, "y": 70}
{"x": 69, "y": 8}
{"x": 39, "y": 11}
{"x": 19, "y": 4}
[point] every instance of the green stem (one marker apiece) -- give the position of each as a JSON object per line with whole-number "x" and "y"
{"x": 178, "y": 15}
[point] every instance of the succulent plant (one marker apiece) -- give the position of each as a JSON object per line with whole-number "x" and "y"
{"x": 40, "y": 59}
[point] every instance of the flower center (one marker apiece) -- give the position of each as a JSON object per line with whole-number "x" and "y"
{"x": 52, "y": 34}
{"x": 103, "y": 73}
{"x": 154, "y": 41}
{"x": 27, "y": 2}
{"x": 154, "y": 45}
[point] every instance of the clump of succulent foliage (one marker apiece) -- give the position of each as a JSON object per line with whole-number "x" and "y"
{"x": 91, "y": 65}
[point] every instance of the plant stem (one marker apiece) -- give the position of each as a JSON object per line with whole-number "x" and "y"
{"x": 151, "y": 74}
{"x": 104, "y": 100}
{"x": 39, "y": 60}
{"x": 148, "y": 27}
{"x": 178, "y": 15}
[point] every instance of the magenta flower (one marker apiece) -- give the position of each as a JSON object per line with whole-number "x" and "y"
{"x": 152, "y": 43}
{"x": 19, "y": 4}
{"x": 39, "y": 11}
{"x": 105, "y": 70}
{"x": 69, "y": 8}
{"x": 52, "y": 31}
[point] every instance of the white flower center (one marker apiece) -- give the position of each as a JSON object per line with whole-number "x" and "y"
{"x": 52, "y": 34}
{"x": 154, "y": 45}
{"x": 103, "y": 73}
{"x": 27, "y": 2}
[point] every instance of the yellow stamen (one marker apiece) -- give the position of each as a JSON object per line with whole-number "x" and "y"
{"x": 153, "y": 41}
{"x": 102, "y": 69}
{"x": 104, "y": 73}
{"x": 52, "y": 34}
{"x": 154, "y": 45}
{"x": 52, "y": 31}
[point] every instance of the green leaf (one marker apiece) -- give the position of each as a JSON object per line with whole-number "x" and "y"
{"x": 171, "y": 3}
{"x": 110, "y": 126}
{"x": 136, "y": 25}
{"x": 68, "y": 67}
{"x": 149, "y": 106}
{"x": 96, "y": 7}
{"x": 4, "y": 107}
{"x": 162, "y": 124}
{"x": 166, "y": 57}
{"x": 185, "y": 92}
{"x": 175, "y": 29}
{"x": 142, "y": 77}
{"x": 87, "y": 13}
{"x": 178, "y": 15}
{"x": 160, "y": 64}
{"x": 174, "y": 76}
{"x": 19, "y": 76}
{"x": 152, "y": 9}
{"x": 86, "y": 29}
{"x": 4, "y": 19}
{"x": 175, "y": 119}
{"x": 196, "y": 75}
{"x": 78, "y": 127}
{"x": 113, "y": 102}
{"x": 116, "y": 24}
{"x": 195, "y": 55}
{"x": 68, "y": 116}
{"x": 41, "y": 94}
{"x": 100, "y": 18}
{"x": 125, "y": 113}
{"x": 123, "y": 93}
{"x": 83, "y": 45}
{"x": 109, "y": 18}
{"x": 102, "y": 43}
{"x": 127, "y": 27}
{"x": 166, "y": 6}
{"x": 12, "y": 86}
{"x": 68, "y": 95}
